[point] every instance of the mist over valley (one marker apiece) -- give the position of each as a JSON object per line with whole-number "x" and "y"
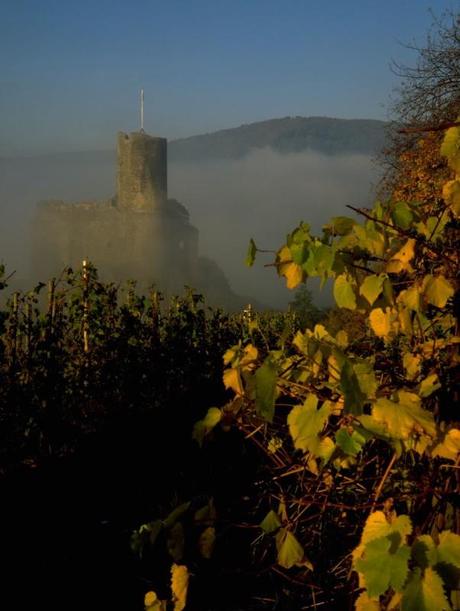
{"x": 257, "y": 180}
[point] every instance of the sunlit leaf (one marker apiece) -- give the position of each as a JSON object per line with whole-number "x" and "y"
{"x": 400, "y": 261}
{"x": 290, "y": 551}
{"x": 449, "y": 548}
{"x": 449, "y": 447}
{"x": 402, "y": 215}
{"x": 287, "y": 268}
{"x": 412, "y": 364}
{"x": 344, "y": 294}
{"x": 450, "y": 148}
{"x": 271, "y": 522}
{"x": 232, "y": 379}
{"x": 251, "y": 254}
{"x": 306, "y": 422}
{"x": 437, "y": 290}
{"x": 451, "y": 195}
{"x": 179, "y": 586}
{"x": 383, "y": 568}
{"x": 381, "y": 321}
{"x": 207, "y": 424}
{"x": 372, "y": 287}
{"x": 349, "y": 443}
{"x": 429, "y": 385}
{"x": 365, "y": 603}
{"x": 424, "y": 593}
{"x": 404, "y": 418}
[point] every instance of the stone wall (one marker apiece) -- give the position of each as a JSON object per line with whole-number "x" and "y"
{"x": 142, "y": 182}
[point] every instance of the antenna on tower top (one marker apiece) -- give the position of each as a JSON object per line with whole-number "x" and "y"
{"x": 142, "y": 110}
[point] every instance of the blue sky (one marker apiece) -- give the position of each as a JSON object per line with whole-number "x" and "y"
{"x": 70, "y": 71}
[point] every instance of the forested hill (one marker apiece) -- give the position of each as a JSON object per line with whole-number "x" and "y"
{"x": 287, "y": 135}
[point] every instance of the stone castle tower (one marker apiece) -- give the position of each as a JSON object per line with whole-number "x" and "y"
{"x": 138, "y": 234}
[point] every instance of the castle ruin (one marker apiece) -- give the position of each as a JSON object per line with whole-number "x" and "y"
{"x": 138, "y": 234}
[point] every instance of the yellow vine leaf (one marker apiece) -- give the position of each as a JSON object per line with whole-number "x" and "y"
{"x": 451, "y": 195}
{"x": 293, "y": 273}
{"x": 405, "y": 418}
{"x": 179, "y": 586}
{"x": 410, "y": 297}
{"x": 437, "y": 290}
{"x": 450, "y": 148}
{"x": 364, "y": 603}
{"x": 400, "y": 261}
{"x": 232, "y": 379}
{"x": 381, "y": 321}
{"x": 412, "y": 363}
{"x": 449, "y": 447}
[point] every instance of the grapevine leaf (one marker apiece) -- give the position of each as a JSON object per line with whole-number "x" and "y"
{"x": 306, "y": 422}
{"x": 265, "y": 388}
{"x": 340, "y": 225}
{"x": 449, "y": 447}
{"x": 424, "y": 593}
{"x": 271, "y": 522}
{"x": 450, "y": 148}
{"x": 400, "y": 261}
{"x": 290, "y": 552}
{"x": 404, "y": 418}
{"x": 381, "y": 568}
{"x": 350, "y": 444}
{"x": 437, "y": 290}
{"x": 364, "y": 603}
{"x": 372, "y": 287}
{"x": 412, "y": 363}
{"x": 429, "y": 385}
{"x": 411, "y": 298}
{"x": 232, "y": 379}
{"x": 402, "y": 215}
{"x": 251, "y": 254}
{"x": 179, "y": 586}
{"x": 449, "y": 548}
{"x": 287, "y": 268}
{"x": 451, "y": 195}
{"x": 380, "y": 321}
{"x": 366, "y": 378}
{"x": 424, "y": 551}
{"x": 206, "y": 425}
{"x": 153, "y": 603}
{"x": 354, "y": 398}
{"x": 206, "y": 542}
{"x": 344, "y": 294}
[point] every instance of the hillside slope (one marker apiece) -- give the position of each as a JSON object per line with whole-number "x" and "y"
{"x": 287, "y": 135}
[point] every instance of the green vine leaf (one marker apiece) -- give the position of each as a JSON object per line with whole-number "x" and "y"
{"x": 424, "y": 593}
{"x": 382, "y": 568}
{"x": 290, "y": 551}
{"x": 372, "y": 287}
{"x": 251, "y": 254}
{"x": 271, "y": 522}
{"x": 265, "y": 389}
{"x": 344, "y": 294}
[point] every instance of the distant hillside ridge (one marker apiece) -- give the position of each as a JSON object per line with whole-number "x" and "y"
{"x": 287, "y": 135}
